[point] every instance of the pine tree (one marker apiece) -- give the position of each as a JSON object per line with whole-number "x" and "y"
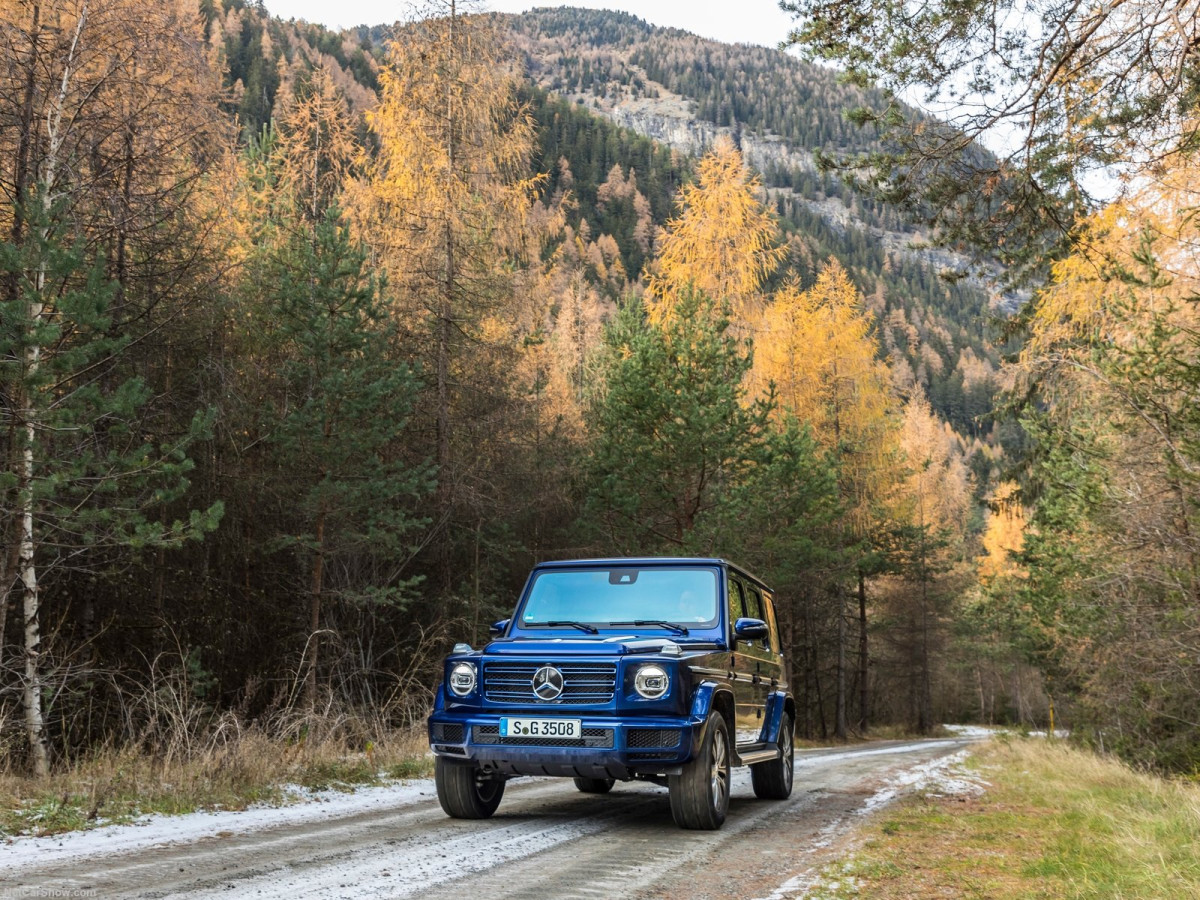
{"x": 674, "y": 432}
{"x": 444, "y": 204}
{"x": 82, "y": 477}
{"x": 345, "y": 405}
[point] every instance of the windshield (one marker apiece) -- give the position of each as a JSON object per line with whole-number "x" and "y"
{"x": 606, "y": 596}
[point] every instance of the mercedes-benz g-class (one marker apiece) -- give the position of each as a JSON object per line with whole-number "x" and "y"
{"x": 663, "y": 670}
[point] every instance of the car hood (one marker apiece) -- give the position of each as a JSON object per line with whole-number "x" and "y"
{"x": 601, "y": 645}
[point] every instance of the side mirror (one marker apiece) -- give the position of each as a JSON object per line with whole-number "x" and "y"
{"x": 751, "y": 629}
{"x": 498, "y": 628}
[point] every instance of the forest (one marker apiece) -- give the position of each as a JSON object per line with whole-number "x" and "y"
{"x": 311, "y": 343}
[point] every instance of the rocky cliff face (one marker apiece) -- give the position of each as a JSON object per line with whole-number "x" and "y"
{"x": 690, "y": 135}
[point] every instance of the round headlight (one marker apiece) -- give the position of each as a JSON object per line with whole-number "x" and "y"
{"x": 462, "y": 679}
{"x": 651, "y": 681}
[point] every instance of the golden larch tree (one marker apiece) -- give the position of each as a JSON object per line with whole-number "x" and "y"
{"x": 443, "y": 205}
{"x": 723, "y": 242}
{"x": 816, "y": 347}
{"x": 1004, "y": 534}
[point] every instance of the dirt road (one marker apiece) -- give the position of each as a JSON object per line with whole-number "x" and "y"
{"x": 546, "y": 842}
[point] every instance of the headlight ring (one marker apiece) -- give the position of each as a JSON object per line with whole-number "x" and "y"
{"x": 652, "y": 681}
{"x": 462, "y": 679}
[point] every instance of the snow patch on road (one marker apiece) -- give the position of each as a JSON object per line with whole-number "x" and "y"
{"x": 384, "y": 873}
{"x": 160, "y": 830}
{"x": 972, "y": 731}
{"x": 942, "y": 777}
{"x": 820, "y": 757}
{"x": 797, "y": 886}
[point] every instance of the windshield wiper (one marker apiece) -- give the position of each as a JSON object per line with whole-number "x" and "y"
{"x": 580, "y": 625}
{"x": 678, "y": 629}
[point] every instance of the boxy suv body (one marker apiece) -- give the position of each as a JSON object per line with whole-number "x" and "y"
{"x": 665, "y": 670}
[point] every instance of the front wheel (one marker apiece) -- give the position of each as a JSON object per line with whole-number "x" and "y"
{"x": 700, "y": 795}
{"x": 595, "y": 785}
{"x": 463, "y": 791}
{"x": 773, "y": 780}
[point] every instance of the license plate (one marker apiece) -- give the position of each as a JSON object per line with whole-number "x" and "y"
{"x": 542, "y": 728}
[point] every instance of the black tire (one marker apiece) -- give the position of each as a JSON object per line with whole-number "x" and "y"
{"x": 464, "y": 793}
{"x": 700, "y": 795}
{"x": 773, "y": 780}
{"x": 595, "y": 785}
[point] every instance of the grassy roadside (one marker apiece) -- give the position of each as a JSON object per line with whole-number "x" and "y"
{"x": 1056, "y": 822}
{"x": 120, "y": 785}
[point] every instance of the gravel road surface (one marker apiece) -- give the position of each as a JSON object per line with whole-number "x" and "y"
{"x": 546, "y": 842}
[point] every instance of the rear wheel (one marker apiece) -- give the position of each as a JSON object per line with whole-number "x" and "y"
{"x": 700, "y": 795}
{"x": 595, "y": 785}
{"x": 464, "y": 792}
{"x": 773, "y": 780}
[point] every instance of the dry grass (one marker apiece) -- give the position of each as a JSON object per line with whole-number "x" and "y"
{"x": 1057, "y": 822}
{"x": 171, "y": 752}
{"x": 231, "y": 769}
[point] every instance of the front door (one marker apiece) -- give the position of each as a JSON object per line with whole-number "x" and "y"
{"x": 758, "y": 664}
{"x": 749, "y": 692}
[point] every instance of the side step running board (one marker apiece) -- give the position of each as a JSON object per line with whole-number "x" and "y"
{"x": 750, "y": 757}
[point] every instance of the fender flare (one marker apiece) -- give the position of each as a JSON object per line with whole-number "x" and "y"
{"x": 777, "y": 704}
{"x": 711, "y": 695}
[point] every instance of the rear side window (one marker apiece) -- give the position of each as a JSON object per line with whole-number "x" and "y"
{"x": 754, "y": 608}
{"x": 769, "y": 609}
{"x": 737, "y": 603}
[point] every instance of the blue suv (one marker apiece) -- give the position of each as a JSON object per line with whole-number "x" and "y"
{"x": 662, "y": 670}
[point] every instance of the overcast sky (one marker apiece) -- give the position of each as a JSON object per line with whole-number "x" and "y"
{"x": 749, "y": 21}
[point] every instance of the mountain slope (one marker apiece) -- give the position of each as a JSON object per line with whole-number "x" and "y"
{"x": 624, "y": 103}
{"x": 684, "y": 91}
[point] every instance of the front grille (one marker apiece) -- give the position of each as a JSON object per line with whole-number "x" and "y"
{"x": 450, "y": 733}
{"x": 592, "y": 737}
{"x": 650, "y": 757}
{"x": 582, "y": 682}
{"x": 652, "y": 737}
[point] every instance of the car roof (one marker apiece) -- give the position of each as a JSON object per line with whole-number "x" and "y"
{"x": 646, "y": 561}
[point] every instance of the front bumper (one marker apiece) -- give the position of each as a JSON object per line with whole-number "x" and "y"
{"x": 610, "y": 748}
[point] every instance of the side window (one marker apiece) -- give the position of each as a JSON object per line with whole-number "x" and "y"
{"x": 737, "y": 604}
{"x": 754, "y": 608}
{"x": 769, "y": 609}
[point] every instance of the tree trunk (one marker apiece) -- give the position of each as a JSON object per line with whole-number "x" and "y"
{"x": 31, "y": 694}
{"x": 815, "y": 660}
{"x": 839, "y": 717}
{"x": 925, "y": 697}
{"x": 864, "y": 659}
{"x": 314, "y": 613}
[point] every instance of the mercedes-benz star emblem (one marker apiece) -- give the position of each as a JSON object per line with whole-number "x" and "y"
{"x": 547, "y": 683}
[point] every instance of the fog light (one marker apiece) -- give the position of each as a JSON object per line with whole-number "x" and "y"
{"x": 651, "y": 681}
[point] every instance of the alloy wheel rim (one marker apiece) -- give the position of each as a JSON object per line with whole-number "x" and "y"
{"x": 720, "y": 773}
{"x": 786, "y": 747}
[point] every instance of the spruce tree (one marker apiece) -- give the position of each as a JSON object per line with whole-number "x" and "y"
{"x": 344, "y": 406}
{"x": 673, "y": 434}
